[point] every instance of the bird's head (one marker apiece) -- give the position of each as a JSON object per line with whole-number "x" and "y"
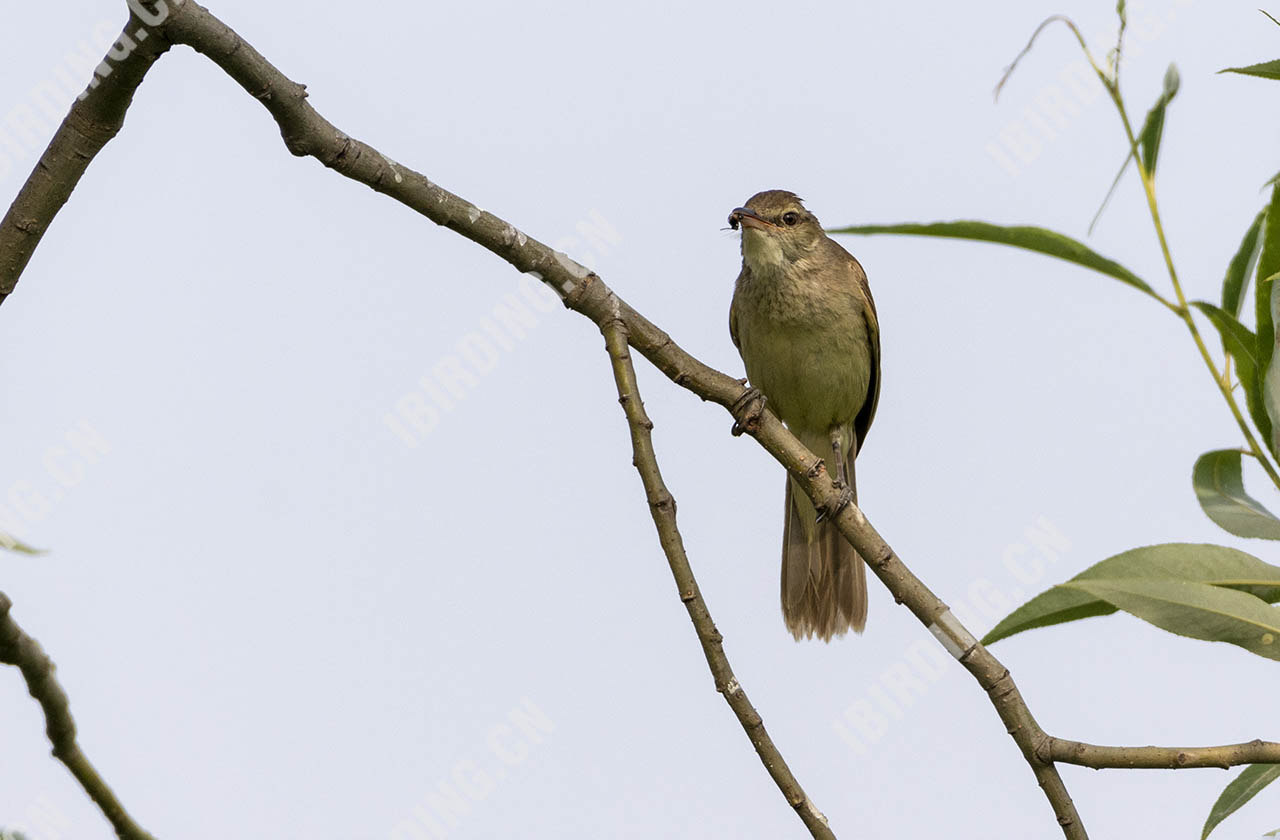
{"x": 776, "y": 229}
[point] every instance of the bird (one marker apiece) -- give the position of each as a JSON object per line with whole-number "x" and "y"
{"x": 805, "y": 324}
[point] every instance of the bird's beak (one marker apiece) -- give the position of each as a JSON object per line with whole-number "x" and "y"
{"x": 748, "y": 219}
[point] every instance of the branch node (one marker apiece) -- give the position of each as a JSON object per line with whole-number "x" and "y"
{"x": 663, "y": 504}
{"x": 573, "y": 294}
{"x": 1043, "y": 748}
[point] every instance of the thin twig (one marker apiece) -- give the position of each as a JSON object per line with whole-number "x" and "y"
{"x": 663, "y": 508}
{"x": 17, "y": 648}
{"x": 1013, "y": 65}
{"x": 1160, "y": 758}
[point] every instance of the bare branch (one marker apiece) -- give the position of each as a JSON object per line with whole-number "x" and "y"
{"x": 17, "y": 648}
{"x": 92, "y": 122}
{"x": 1160, "y": 758}
{"x": 663, "y": 508}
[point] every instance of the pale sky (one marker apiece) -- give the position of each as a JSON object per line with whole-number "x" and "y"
{"x": 282, "y": 610}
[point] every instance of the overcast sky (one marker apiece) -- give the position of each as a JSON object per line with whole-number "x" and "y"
{"x": 345, "y": 537}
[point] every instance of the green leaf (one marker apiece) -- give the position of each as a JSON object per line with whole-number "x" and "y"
{"x": 1239, "y": 791}
{"x": 1236, "y": 337}
{"x": 1266, "y": 70}
{"x": 1196, "y": 610}
{"x": 14, "y": 544}
{"x": 1036, "y": 239}
{"x": 1237, "y": 279}
{"x": 1268, "y": 268}
{"x": 1271, "y": 381}
{"x": 1148, "y": 138}
{"x": 1242, "y": 346}
{"x": 1211, "y": 564}
{"x": 1111, "y": 190}
{"x": 1220, "y": 490}
{"x": 1153, "y": 126}
{"x": 1054, "y": 606}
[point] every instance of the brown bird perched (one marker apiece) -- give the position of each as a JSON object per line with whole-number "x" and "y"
{"x": 804, "y": 321}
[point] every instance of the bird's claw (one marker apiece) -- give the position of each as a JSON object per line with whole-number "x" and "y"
{"x": 746, "y": 411}
{"x": 832, "y": 509}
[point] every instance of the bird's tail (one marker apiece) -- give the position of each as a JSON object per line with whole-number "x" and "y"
{"x": 824, "y": 581}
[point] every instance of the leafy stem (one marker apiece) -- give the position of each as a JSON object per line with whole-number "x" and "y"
{"x": 1220, "y": 378}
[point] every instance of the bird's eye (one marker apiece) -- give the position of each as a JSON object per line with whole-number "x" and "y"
{"x": 790, "y": 218}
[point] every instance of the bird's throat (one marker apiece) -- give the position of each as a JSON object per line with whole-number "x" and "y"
{"x": 762, "y": 253}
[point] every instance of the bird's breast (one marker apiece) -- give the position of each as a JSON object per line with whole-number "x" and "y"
{"x": 805, "y": 345}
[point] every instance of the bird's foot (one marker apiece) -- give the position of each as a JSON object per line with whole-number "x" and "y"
{"x": 747, "y": 410}
{"x": 832, "y": 509}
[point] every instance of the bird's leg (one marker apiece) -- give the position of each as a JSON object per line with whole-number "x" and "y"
{"x": 837, "y": 458}
{"x": 840, "y": 479}
{"x": 746, "y": 410}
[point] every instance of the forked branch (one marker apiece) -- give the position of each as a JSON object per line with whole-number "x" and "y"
{"x": 663, "y": 508}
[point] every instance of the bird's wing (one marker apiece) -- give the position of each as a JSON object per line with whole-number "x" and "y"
{"x": 862, "y": 424}
{"x": 733, "y": 311}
